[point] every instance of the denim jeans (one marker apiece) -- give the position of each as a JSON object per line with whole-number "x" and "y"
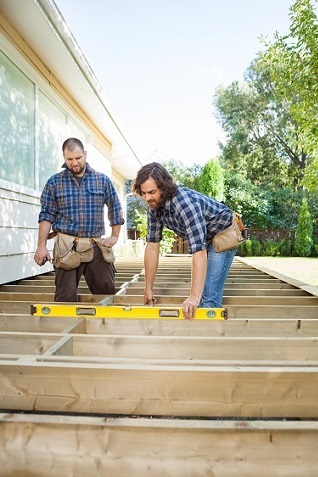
{"x": 217, "y": 269}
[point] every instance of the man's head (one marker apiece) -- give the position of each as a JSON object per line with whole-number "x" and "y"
{"x": 74, "y": 156}
{"x": 154, "y": 184}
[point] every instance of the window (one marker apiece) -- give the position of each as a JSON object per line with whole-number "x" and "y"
{"x": 16, "y": 125}
{"x": 51, "y": 135}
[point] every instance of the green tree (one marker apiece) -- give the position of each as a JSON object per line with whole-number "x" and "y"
{"x": 183, "y": 175}
{"x": 304, "y": 241}
{"x": 262, "y": 137}
{"x": 292, "y": 63}
{"x": 212, "y": 181}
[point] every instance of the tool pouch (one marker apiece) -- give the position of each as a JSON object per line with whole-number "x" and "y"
{"x": 84, "y": 248}
{"x": 69, "y": 252}
{"x": 229, "y": 238}
{"x": 107, "y": 252}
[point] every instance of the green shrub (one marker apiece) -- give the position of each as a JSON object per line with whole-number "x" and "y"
{"x": 256, "y": 248}
{"x": 285, "y": 247}
{"x": 168, "y": 237}
{"x": 242, "y": 251}
{"x": 248, "y": 247}
{"x": 269, "y": 248}
{"x": 304, "y": 231}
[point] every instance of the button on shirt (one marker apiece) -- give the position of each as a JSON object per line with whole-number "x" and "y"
{"x": 79, "y": 210}
{"x": 191, "y": 215}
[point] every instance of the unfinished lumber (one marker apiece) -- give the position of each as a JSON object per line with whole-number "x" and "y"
{"x": 227, "y": 300}
{"x": 31, "y": 324}
{"x": 239, "y": 391}
{"x": 52, "y": 446}
{"x": 232, "y": 327}
{"x": 187, "y": 348}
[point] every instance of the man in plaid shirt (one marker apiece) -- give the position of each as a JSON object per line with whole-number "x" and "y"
{"x": 72, "y": 203}
{"x": 190, "y": 215}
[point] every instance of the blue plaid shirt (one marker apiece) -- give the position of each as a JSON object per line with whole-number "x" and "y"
{"x": 190, "y": 215}
{"x": 78, "y": 210}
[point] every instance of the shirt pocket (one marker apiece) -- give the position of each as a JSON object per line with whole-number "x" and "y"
{"x": 96, "y": 200}
{"x": 66, "y": 201}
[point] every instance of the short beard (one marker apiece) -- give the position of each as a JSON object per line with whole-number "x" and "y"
{"x": 76, "y": 173}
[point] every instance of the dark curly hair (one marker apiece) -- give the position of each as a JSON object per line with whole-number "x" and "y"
{"x": 160, "y": 175}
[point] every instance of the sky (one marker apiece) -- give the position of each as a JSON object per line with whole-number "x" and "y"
{"x": 159, "y": 63}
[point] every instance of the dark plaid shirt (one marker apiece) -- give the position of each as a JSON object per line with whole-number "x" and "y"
{"x": 76, "y": 209}
{"x": 190, "y": 215}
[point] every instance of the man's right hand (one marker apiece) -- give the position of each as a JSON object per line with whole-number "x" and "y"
{"x": 42, "y": 255}
{"x": 149, "y": 299}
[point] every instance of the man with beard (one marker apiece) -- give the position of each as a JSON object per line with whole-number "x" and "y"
{"x": 190, "y": 215}
{"x": 72, "y": 204}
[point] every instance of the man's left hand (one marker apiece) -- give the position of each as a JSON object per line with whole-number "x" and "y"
{"x": 189, "y": 307}
{"x": 110, "y": 241}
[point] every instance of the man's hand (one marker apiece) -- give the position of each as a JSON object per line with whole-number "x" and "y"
{"x": 110, "y": 241}
{"x": 189, "y": 307}
{"x": 149, "y": 299}
{"x": 42, "y": 255}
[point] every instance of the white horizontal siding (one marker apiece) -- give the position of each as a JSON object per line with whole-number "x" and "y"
{"x": 16, "y": 267}
{"x": 19, "y": 211}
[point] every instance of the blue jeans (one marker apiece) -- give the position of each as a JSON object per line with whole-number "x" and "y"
{"x": 217, "y": 269}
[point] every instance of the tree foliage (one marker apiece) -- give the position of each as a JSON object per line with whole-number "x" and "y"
{"x": 304, "y": 241}
{"x": 212, "y": 181}
{"x": 270, "y": 121}
{"x": 183, "y": 175}
{"x": 262, "y": 135}
{"x": 168, "y": 237}
{"x": 292, "y": 63}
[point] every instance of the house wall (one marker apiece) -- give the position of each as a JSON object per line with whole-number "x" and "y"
{"x": 36, "y": 115}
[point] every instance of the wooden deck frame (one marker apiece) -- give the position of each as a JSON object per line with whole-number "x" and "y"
{"x": 261, "y": 364}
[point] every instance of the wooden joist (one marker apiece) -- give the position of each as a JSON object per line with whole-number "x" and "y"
{"x": 167, "y": 390}
{"x": 80, "y": 446}
{"x": 165, "y": 348}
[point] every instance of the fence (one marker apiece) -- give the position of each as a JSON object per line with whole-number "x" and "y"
{"x": 181, "y": 245}
{"x": 270, "y": 234}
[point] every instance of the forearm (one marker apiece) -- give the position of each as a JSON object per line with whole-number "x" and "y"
{"x": 151, "y": 261}
{"x": 116, "y": 231}
{"x": 44, "y": 229}
{"x": 41, "y": 253}
{"x": 199, "y": 264}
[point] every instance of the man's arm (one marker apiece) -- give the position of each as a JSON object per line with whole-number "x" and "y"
{"x": 199, "y": 263}
{"x": 151, "y": 260}
{"x": 41, "y": 251}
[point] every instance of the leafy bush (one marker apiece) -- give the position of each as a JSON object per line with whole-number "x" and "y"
{"x": 244, "y": 249}
{"x": 304, "y": 231}
{"x": 168, "y": 237}
{"x": 256, "y": 248}
{"x": 285, "y": 247}
{"x": 269, "y": 248}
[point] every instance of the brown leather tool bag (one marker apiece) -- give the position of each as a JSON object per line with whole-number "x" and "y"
{"x": 107, "y": 252}
{"x": 69, "y": 252}
{"x": 229, "y": 238}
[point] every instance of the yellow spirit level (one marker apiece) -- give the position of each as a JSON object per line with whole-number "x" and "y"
{"x": 136, "y": 312}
